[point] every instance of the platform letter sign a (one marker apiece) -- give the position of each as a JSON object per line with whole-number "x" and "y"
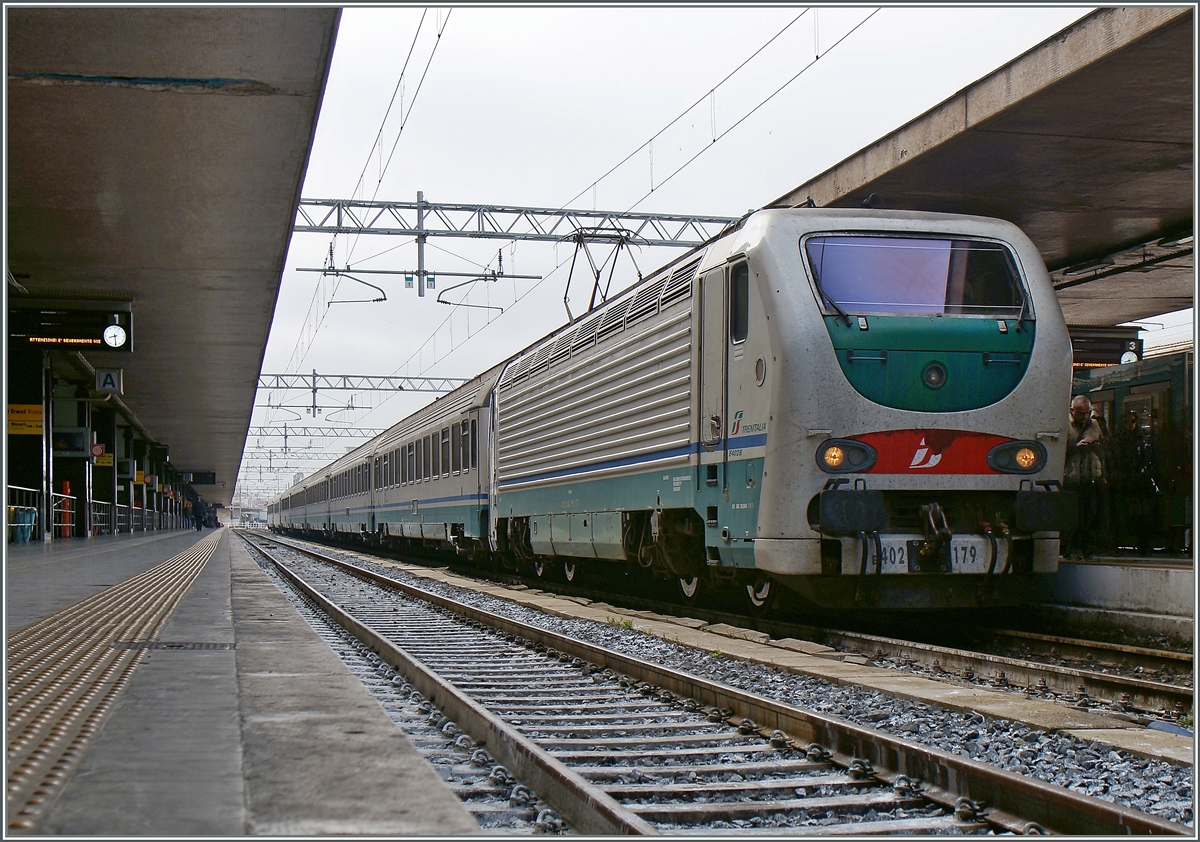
{"x": 110, "y": 380}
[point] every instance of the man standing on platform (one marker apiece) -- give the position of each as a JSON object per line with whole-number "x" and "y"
{"x": 1083, "y": 473}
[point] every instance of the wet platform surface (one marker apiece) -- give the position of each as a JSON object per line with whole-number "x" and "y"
{"x": 254, "y": 728}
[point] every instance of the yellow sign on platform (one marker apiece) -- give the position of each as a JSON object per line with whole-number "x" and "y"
{"x": 105, "y": 461}
{"x": 139, "y": 478}
{"x": 24, "y": 419}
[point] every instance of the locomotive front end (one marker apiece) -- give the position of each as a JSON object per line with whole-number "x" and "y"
{"x": 919, "y": 414}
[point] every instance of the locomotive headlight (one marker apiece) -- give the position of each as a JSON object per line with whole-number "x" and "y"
{"x": 1026, "y": 458}
{"x": 841, "y": 456}
{"x": 834, "y": 456}
{"x": 1017, "y": 457}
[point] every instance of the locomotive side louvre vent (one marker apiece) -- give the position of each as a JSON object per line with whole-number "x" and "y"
{"x": 522, "y": 369}
{"x": 646, "y": 303}
{"x": 562, "y": 349}
{"x": 585, "y": 334}
{"x": 613, "y": 322}
{"x": 163, "y": 644}
{"x": 611, "y": 319}
{"x": 679, "y": 286}
{"x": 539, "y": 362}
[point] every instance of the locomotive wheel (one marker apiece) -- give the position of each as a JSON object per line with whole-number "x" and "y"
{"x": 539, "y": 568}
{"x": 759, "y": 592}
{"x": 690, "y": 586}
{"x": 569, "y": 570}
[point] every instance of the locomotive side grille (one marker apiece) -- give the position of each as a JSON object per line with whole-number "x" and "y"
{"x": 679, "y": 285}
{"x": 646, "y": 303}
{"x": 613, "y": 405}
{"x": 611, "y": 319}
{"x": 562, "y": 350}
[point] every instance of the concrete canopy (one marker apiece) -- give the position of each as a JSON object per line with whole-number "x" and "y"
{"x": 156, "y": 155}
{"x": 1086, "y": 142}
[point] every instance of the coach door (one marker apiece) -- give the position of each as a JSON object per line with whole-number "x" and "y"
{"x": 712, "y": 374}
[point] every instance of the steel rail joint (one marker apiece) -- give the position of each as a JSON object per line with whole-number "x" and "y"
{"x": 553, "y": 780}
{"x": 1006, "y": 794}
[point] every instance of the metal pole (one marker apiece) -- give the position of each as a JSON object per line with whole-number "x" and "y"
{"x": 47, "y": 514}
{"x": 421, "y": 243}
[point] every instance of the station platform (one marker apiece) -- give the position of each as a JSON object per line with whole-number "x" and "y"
{"x": 210, "y": 710}
{"x": 1153, "y": 595}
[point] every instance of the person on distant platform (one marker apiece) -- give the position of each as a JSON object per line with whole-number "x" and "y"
{"x": 200, "y": 513}
{"x": 1083, "y": 473}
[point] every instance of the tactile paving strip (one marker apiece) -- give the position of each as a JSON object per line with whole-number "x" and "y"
{"x": 64, "y": 674}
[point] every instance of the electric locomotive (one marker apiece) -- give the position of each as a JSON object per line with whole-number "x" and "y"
{"x": 867, "y": 407}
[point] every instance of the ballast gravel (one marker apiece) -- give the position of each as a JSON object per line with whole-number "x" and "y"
{"x": 1154, "y": 786}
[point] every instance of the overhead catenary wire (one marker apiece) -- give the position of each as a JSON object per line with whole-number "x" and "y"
{"x": 753, "y": 110}
{"x": 709, "y": 96}
{"x": 677, "y": 171}
{"x": 378, "y": 143}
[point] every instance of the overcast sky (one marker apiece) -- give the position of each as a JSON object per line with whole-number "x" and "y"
{"x": 531, "y": 106}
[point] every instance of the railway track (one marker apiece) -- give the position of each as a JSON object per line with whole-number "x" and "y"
{"x": 1078, "y": 681}
{"x": 1137, "y": 683}
{"x": 617, "y": 744}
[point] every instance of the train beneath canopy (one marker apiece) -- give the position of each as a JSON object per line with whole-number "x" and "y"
{"x": 866, "y": 407}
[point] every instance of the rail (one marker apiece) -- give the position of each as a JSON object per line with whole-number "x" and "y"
{"x": 102, "y": 517}
{"x": 123, "y": 518}
{"x": 64, "y": 514}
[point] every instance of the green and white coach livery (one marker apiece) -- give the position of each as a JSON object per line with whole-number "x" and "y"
{"x": 864, "y": 406}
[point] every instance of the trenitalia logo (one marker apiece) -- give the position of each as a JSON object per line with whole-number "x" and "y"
{"x": 931, "y": 451}
{"x": 923, "y": 458}
{"x": 738, "y": 427}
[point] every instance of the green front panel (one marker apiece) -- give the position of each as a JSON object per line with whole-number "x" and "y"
{"x": 885, "y": 363}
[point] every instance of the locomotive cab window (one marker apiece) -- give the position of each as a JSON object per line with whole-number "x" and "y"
{"x": 916, "y": 276}
{"x": 739, "y": 303}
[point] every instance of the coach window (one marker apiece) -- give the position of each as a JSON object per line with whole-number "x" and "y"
{"x": 464, "y": 445}
{"x": 425, "y": 474}
{"x": 456, "y": 448}
{"x": 446, "y": 451}
{"x": 436, "y": 445}
{"x": 739, "y": 302}
{"x": 474, "y": 445}
{"x": 412, "y": 464}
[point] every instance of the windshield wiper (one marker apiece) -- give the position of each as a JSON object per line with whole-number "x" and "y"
{"x": 1021, "y": 315}
{"x": 834, "y": 305}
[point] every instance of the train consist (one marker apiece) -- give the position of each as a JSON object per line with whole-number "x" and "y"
{"x": 866, "y": 407}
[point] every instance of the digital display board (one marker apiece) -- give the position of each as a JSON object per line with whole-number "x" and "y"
{"x": 69, "y": 327}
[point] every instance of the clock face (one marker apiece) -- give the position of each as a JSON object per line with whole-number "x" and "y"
{"x": 114, "y": 336}
{"x": 1128, "y": 357}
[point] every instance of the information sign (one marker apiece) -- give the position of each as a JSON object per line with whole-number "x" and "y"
{"x": 24, "y": 419}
